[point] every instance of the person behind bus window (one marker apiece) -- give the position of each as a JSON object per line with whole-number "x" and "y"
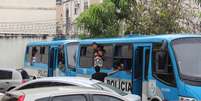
{"x": 161, "y": 58}
{"x": 117, "y": 67}
{"x": 33, "y": 55}
{"x": 98, "y": 75}
{"x": 98, "y": 55}
{"x": 120, "y": 71}
{"x": 95, "y": 46}
{"x": 61, "y": 57}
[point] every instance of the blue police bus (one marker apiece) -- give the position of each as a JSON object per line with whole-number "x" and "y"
{"x": 158, "y": 68}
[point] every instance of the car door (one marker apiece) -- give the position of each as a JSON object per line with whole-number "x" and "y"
{"x": 5, "y": 80}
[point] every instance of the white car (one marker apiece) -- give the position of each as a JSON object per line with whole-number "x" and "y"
{"x": 10, "y": 78}
{"x": 75, "y": 81}
{"x": 67, "y": 93}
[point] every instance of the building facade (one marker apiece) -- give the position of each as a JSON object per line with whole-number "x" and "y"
{"x": 68, "y": 11}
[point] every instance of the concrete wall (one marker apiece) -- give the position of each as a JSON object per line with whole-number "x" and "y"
{"x": 12, "y": 51}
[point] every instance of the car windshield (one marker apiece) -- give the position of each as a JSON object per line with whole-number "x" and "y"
{"x": 107, "y": 87}
{"x": 188, "y": 57}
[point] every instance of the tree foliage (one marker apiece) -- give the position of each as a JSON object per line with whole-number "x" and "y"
{"x": 137, "y": 16}
{"x": 100, "y": 20}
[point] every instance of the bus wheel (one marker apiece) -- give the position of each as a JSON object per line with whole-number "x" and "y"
{"x": 156, "y": 99}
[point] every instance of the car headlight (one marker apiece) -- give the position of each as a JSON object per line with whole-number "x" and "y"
{"x": 181, "y": 98}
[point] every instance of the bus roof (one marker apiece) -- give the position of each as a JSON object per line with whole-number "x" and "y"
{"x": 142, "y": 38}
{"x": 46, "y": 43}
{"x": 126, "y": 39}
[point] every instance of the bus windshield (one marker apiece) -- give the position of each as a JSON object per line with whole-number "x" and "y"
{"x": 188, "y": 56}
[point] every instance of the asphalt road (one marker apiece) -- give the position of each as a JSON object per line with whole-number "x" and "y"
{"x": 1, "y": 94}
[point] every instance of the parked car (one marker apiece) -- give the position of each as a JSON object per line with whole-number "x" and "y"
{"x": 68, "y": 93}
{"x": 75, "y": 81}
{"x": 10, "y": 78}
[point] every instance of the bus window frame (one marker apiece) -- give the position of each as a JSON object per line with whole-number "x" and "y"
{"x": 66, "y": 56}
{"x": 79, "y": 56}
{"x": 177, "y": 71}
{"x": 57, "y": 57}
{"x": 113, "y": 58}
{"x": 154, "y": 75}
{"x": 89, "y": 45}
{"x": 37, "y": 64}
{"x": 118, "y": 57}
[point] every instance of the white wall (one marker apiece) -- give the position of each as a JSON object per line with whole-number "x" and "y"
{"x": 12, "y": 52}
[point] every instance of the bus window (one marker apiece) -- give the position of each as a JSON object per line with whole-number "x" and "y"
{"x": 28, "y": 54}
{"x": 123, "y": 54}
{"x": 86, "y": 56}
{"x": 61, "y": 61}
{"x": 38, "y": 54}
{"x": 162, "y": 68}
{"x": 44, "y": 54}
{"x": 71, "y": 55}
{"x": 107, "y": 55}
{"x": 138, "y": 63}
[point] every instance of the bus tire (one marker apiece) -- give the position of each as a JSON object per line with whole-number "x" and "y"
{"x": 156, "y": 98}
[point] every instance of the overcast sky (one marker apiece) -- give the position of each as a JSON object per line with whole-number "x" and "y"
{"x": 21, "y": 10}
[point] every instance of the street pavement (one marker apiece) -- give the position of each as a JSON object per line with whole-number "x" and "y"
{"x": 1, "y": 94}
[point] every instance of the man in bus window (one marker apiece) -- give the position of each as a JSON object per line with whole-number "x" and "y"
{"x": 61, "y": 57}
{"x": 33, "y": 55}
{"x": 117, "y": 67}
{"x": 161, "y": 59}
{"x": 95, "y": 46}
{"x": 98, "y": 55}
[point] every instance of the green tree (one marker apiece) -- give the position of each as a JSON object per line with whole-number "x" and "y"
{"x": 100, "y": 20}
{"x": 156, "y": 17}
{"x": 134, "y": 16}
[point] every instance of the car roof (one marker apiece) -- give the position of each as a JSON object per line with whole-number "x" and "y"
{"x": 58, "y": 91}
{"x": 79, "y": 81}
{"x": 8, "y": 69}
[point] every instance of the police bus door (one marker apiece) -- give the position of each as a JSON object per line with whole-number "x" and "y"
{"x": 140, "y": 70}
{"x": 52, "y": 61}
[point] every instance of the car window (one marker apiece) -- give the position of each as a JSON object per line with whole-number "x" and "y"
{"x": 43, "y": 84}
{"x": 5, "y": 75}
{"x": 70, "y": 98}
{"x": 43, "y": 99}
{"x": 105, "y": 98}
